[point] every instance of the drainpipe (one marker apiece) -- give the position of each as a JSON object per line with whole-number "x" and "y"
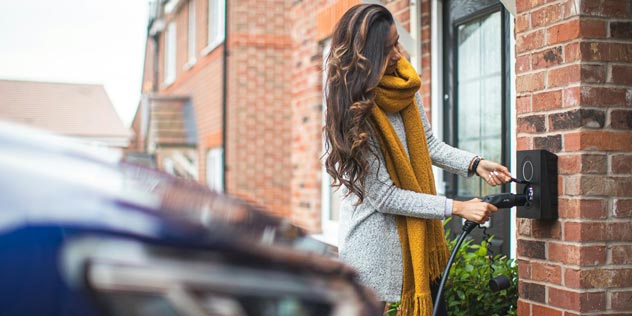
{"x": 156, "y": 39}
{"x": 225, "y": 97}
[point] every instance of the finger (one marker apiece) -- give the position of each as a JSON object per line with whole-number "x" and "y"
{"x": 492, "y": 179}
{"x": 492, "y": 208}
{"x": 506, "y": 174}
{"x": 500, "y": 177}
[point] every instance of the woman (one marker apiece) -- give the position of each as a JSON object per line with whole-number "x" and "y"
{"x": 380, "y": 150}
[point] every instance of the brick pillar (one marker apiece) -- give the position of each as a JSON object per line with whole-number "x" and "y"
{"x": 574, "y": 98}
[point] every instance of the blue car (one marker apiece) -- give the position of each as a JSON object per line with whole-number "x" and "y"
{"x": 82, "y": 232}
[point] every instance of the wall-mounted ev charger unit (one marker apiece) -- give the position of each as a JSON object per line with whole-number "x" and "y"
{"x": 539, "y": 168}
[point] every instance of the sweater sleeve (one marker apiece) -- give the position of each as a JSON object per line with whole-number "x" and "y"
{"x": 382, "y": 194}
{"x": 444, "y": 156}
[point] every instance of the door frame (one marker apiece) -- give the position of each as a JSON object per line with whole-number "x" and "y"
{"x": 445, "y": 56}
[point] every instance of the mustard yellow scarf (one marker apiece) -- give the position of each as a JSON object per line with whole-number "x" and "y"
{"x": 424, "y": 249}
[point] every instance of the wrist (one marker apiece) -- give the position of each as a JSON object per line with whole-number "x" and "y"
{"x": 457, "y": 206}
{"x": 474, "y": 165}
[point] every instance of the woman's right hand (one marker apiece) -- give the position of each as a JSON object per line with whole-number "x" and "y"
{"x": 474, "y": 210}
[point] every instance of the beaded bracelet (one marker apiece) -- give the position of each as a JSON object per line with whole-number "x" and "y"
{"x": 477, "y": 160}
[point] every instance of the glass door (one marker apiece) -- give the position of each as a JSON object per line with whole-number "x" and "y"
{"x": 476, "y": 113}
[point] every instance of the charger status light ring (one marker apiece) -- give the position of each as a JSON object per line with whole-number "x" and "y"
{"x": 527, "y": 170}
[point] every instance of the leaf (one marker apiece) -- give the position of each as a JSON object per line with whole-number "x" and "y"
{"x": 469, "y": 268}
{"x": 460, "y": 294}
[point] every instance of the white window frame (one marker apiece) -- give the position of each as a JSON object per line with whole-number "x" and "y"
{"x": 192, "y": 36}
{"x": 215, "y": 169}
{"x": 170, "y": 54}
{"x": 169, "y": 166}
{"x": 215, "y": 24}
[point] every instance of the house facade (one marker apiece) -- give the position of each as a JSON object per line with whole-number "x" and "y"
{"x": 244, "y": 79}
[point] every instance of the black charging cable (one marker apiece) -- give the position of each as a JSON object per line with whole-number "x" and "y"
{"x": 468, "y": 227}
{"x": 500, "y": 282}
{"x": 502, "y": 200}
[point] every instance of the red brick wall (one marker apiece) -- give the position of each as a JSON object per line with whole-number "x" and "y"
{"x": 259, "y": 106}
{"x": 258, "y": 100}
{"x": 306, "y": 119}
{"x": 148, "y": 66}
{"x": 202, "y": 81}
{"x": 574, "y": 93}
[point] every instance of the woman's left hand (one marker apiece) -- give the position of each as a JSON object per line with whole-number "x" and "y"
{"x": 493, "y": 173}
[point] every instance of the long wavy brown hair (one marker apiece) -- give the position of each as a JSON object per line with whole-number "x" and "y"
{"x": 356, "y": 63}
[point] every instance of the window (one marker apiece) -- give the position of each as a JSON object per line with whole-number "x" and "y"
{"x": 479, "y": 88}
{"x": 330, "y": 197}
{"x": 215, "y": 169}
{"x": 170, "y": 54}
{"x": 192, "y": 36}
{"x": 215, "y": 24}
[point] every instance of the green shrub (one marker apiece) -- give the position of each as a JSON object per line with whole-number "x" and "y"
{"x": 467, "y": 290}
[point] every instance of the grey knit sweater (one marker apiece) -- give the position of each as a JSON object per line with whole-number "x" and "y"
{"x": 368, "y": 232}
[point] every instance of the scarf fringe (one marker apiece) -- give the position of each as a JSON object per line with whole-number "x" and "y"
{"x": 419, "y": 305}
